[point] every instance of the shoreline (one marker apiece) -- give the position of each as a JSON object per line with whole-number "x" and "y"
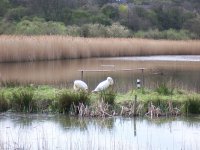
{"x": 138, "y": 102}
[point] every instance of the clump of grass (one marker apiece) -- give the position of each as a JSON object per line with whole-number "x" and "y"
{"x": 68, "y": 99}
{"x": 33, "y": 48}
{"x": 108, "y": 97}
{"x": 4, "y": 105}
{"x": 10, "y": 83}
{"x": 164, "y": 90}
{"x": 22, "y": 100}
{"x": 192, "y": 106}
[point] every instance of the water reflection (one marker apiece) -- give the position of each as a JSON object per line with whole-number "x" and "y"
{"x": 62, "y": 132}
{"x": 183, "y": 73}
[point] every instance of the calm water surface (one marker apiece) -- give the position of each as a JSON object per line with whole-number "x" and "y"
{"x": 62, "y": 132}
{"x": 177, "y": 71}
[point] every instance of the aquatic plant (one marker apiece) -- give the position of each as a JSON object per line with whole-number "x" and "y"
{"x": 68, "y": 100}
{"x": 108, "y": 96}
{"x": 137, "y": 102}
{"x": 192, "y": 105}
{"x": 22, "y": 100}
{"x": 164, "y": 90}
{"x": 4, "y": 105}
{"x": 33, "y": 48}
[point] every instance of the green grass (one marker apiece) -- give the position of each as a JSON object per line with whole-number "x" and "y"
{"x": 4, "y": 106}
{"x": 67, "y": 99}
{"x": 50, "y": 99}
{"x": 187, "y": 102}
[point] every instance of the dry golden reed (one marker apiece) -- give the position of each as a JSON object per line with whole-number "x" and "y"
{"x": 32, "y": 48}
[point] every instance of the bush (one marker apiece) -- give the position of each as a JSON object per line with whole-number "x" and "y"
{"x": 94, "y": 30}
{"x": 101, "y": 19}
{"x": 16, "y": 14}
{"x": 99, "y": 30}
{"x": 110, "y": 11}
{"x": 108, "y": 97}
{"x": 73, "y": 30}
{"x": 170, "y": 34}
{"x": 22, "y": 100}
{"x": 80, "y": 16}
{"x": 39, "y": 26}
{"x": 193, "y": 106}
{"x": 193, "y": 26}
{"x": 66, "y": 99}
{"x": 164, "y": 90}
{"x": 117, "y": 30}
{"x": 4, "y": 5}
{"x": 7, "y": 27}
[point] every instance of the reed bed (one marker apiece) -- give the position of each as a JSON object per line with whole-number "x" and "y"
{"x": 34, "y": 48}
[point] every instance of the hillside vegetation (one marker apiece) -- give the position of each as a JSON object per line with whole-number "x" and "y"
{"x": 158, "y": 19}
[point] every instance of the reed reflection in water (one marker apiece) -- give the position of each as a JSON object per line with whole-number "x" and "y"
{"x": 182, "y": 74}
{"x": 61, "y": 132}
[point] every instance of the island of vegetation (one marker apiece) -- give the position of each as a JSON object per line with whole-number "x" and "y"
{"x": 162, "y": 101}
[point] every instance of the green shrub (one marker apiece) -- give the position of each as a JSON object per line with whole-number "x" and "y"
{"x": 22, "y": 100}
{"x": 80, "y": 16}
{"x": 108, "y": 97}
{"x": 164, "y": 90}
{"x": 110, "y": 11}
{"x": 170, "y": 34}
{"x": 39, "y": 27}
{"x": 4, "y": 106}
{"x": 73, "y": 30}
{"x": 7, "y": 27}
{"x": 94, "y": 30}
{"x": 117, "y": 30}
{"x": 4, "y": 5}
{"x": 101, "y": 19}
{"x": 66, "y": 99}
{"x": 192, "y": 106}
{"x": 16, "y": 14}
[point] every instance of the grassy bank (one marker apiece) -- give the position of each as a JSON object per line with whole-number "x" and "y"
{"x": 33, "y": 48}
{"x": 46, "y": 99}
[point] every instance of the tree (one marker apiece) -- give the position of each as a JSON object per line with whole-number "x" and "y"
{"x": 110, "y": 11}
{"x": 4, "y": 5}
{"x": 16, "y": 14}
{"x": 193, "y": 25}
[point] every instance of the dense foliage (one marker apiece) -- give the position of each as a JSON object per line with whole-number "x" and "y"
{"x": 170, "y": 19}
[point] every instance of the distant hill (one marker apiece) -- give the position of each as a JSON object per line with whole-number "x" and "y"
{"x": 173, "y": 19}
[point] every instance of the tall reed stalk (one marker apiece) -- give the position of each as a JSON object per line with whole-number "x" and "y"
{"x": 32, "y": 48}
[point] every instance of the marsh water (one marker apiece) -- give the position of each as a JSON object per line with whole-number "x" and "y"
{"x": 177, "y": 71}
{"x": 49, "y": 132}
{"x": 21, "y": 131}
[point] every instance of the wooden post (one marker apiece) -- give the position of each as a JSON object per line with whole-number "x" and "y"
{"x": 81, "y": 74}
{"x": 135, "y": 133}
{"x": 135, "y": 101}
{"x": 143, "y": 77}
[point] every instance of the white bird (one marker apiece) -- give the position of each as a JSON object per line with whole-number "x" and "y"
{"x": 80, "y": 86}
{"x": 104, "y": 85}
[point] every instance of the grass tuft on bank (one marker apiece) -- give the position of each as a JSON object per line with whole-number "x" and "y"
{"x": 47, "y": 99}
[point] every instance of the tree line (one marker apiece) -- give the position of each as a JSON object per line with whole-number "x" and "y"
{"x": 169, "y": 19}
